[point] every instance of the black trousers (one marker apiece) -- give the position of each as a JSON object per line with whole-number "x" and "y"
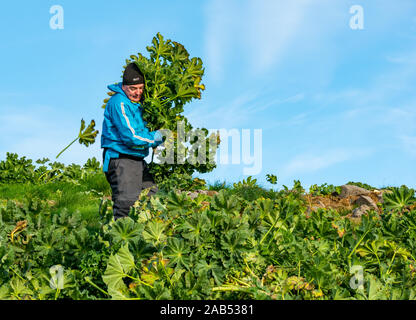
{"x": 127, "y": 178}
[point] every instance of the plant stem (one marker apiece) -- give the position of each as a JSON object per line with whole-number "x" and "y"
{"x": 17, "y": 274}
{"x": 229, "y": 288}
{"x": 95, "y": 286}
{"x": 47, "y": 172}
{"x": 250, "y": 269}
{"x": 240, "y": 281}
{"x": 358, "y": 243}
{"x": 67, "y": 147}
{"x": 391, "y": 263}
{"x": 138, "y": 280}
{"x": 164, "y": 269}
{"x": 264, "y": 237}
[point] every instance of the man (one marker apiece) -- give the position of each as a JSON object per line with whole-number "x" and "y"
{"x": 126, "y": 142}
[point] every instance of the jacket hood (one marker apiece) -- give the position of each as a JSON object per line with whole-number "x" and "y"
{"x": 117, "y": 88}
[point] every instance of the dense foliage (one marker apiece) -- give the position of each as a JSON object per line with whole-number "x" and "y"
{"x": 246, "y": 242}
{"x": 172, "y": 80}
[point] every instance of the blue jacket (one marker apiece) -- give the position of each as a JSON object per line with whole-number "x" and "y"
{"x": 124, "y": 130}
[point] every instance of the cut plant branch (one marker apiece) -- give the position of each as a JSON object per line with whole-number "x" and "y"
{"x": 86, "y": 135}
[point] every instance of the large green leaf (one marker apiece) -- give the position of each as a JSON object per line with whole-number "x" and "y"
{"x": 155, "y": 232}
{"x": 178, "y": 253}
{"x": 126, "y": 229}
{"x": 210, "y": 269}
{"x": 119, "y": 265}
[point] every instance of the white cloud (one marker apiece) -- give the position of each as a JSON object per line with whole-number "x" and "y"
{"x": 259, "y": 31}
{"x": 219, "y": 34}
{"x": 270, "y": 29}
{"x": 241, "y": 110}
{"x": 262, "y": 103}
{"x": 386, "y": 104}
{"x": 311, "y": 162}
{"x": 228, "y": 114}
{"x": 406, "y": 58}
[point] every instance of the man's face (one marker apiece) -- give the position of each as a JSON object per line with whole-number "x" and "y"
{"x": 134, "y": 92}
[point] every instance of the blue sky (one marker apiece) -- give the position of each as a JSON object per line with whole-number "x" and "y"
{"x": 334, "y": 104}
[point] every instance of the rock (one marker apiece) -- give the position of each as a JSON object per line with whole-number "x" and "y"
{"x": 194, "y": 194}
{"x": 320, "y": 204}
{"x": 350, "y": 190}
{"x": 358, "y": 212}
{"x": 366, "y": 200}
{"x": 379, "y": 194}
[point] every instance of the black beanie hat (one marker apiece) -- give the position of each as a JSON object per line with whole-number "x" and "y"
{"x": 132, "y": 75}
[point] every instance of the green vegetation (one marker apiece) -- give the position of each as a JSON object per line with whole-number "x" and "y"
{"x": 58, "y": 240}
{"x": 325, "y": 189}
{"x": 172, "y": 80}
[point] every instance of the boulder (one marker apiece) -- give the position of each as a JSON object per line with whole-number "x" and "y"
{"x": 379, "y": 194}
{"x": 359, "y": 211}
{"x": 366, "y": 200}
{"x": 194, "y": 194}
{"x": 350, "y": 190}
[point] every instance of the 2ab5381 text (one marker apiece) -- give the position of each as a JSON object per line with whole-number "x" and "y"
{"x": 235, "y": 309}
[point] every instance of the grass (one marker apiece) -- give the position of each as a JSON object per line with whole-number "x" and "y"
{"x": 97, "y": 182}
{"x": 83, "y": 197}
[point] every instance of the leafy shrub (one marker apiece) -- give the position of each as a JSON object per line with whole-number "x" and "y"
{"x": 248, "y": 189}
{"x": 16, "y": 170}
{"x": 399, "y": 198}
{"x": 324, "y": 189}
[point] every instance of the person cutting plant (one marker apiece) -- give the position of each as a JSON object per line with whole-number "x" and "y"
{"x": 126, "y": 141}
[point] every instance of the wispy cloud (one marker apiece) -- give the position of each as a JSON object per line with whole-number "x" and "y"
{"x": 405, "y": 58}
{"x": 259, "y": 31}
{"x": 310, "y": 162}
{"x": 276, "y": 23}
{"x": 219, "y": 34}
{"x": 386, "y": 104}
{"x": 224, "y": 114}
{"x": 262, "y": 104}
{"x": 243, "y": 109}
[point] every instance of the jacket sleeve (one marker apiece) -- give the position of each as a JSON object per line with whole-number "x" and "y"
{"x": 132, "y": 133}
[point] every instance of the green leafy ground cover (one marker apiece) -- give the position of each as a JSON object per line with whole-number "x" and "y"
{"x": 58, "y": 241}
